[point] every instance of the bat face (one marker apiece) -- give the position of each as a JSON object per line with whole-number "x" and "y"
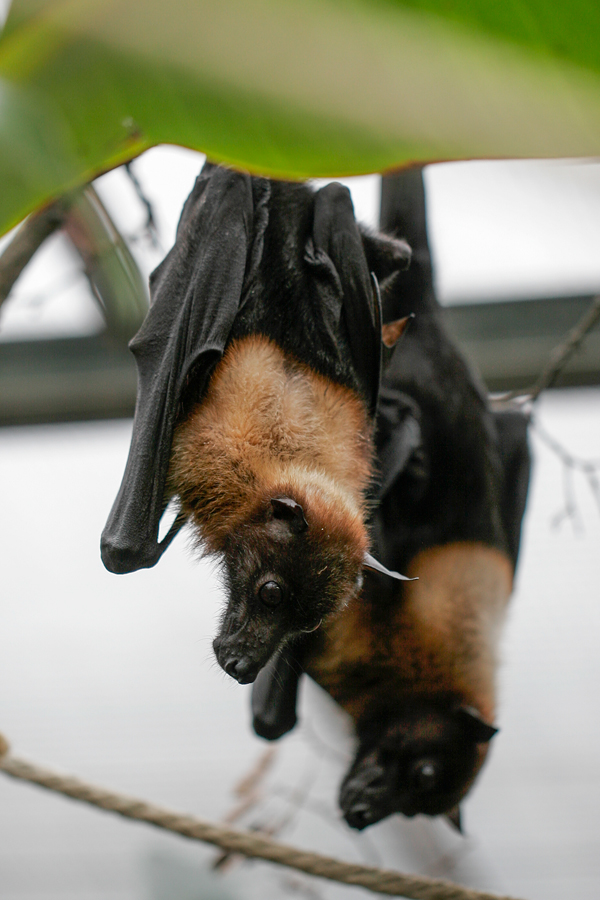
{"x": 282, "y": 580}
{"x": 422, "y": 760}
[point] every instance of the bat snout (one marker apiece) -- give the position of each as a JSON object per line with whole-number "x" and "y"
{"x": 242, "y": 669}
{"x": 364, "y": 809}
{"x": 236, "y": 661}
{"x": 238, "y": 666}
{"x": 363, "y": 795}
{"x": 359, "y": 815}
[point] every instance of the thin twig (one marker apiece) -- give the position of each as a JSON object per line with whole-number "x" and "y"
{"x": 589, "y": 468}
{"x": 28, "y": 239}
{"x": 254, "y": 778}
{"x": 525, "y": 400}
{"x": 557, "y": 360}
{"x": 150, "y": 227}
{"x": 563, "y": 353}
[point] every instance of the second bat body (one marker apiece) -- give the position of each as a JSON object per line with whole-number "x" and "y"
{"x": 415, "y": 664}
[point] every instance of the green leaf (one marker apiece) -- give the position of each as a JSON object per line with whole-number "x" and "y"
{"x": 290, "y": 88}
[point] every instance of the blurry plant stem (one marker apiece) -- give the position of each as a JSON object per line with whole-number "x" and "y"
{"x": 562, "y": 354}
{"x": 525, "y": 399}
{"x": 557, "y": 360}
{"x": 28, "y": 239}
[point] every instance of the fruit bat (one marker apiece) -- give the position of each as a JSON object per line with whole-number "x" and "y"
{"x": 414, "y": 664}
{"x": 259, "y": 367}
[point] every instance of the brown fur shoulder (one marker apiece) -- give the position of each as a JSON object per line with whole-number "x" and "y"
{"x": 439, "y": 637}
{"x": 266, "y": 425}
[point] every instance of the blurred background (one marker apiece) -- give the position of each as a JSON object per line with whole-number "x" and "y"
{"x": 112, "y": 677}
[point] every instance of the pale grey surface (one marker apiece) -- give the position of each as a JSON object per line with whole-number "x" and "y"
{"x": 112, "y": 678}
{"x": 520, "y": 229}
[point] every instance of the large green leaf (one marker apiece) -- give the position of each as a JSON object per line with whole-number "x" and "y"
{"x": 290, "y": 88}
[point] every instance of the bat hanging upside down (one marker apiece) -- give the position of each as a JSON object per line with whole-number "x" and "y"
{"x": 259, "y": 366}
{"x": 414, "y": 664}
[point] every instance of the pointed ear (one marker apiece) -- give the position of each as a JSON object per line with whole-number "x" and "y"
{"x": 385, "y": 255}
{"x": 391, "y": 332}
{"x": 287, "y": 509}
{"x": 455, "y": 819}
{"x": 480, "y": 730}
{"x": 369, "y": 562}
{"x": 387, "y": 258}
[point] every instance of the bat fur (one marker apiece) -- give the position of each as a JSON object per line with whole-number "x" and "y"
{"x": 269, "y": 427}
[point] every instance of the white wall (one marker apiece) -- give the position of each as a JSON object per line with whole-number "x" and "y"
{"x": 112, "y": 678}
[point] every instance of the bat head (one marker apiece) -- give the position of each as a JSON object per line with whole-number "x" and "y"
{"x": 287, "y": 568}
{"x": 423, "y": 759}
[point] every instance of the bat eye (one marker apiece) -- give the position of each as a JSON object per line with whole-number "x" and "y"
{"x": 270, "y": 594}
{"x": 424, "y": 775}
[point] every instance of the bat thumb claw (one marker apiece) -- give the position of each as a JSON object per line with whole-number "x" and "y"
{"x": 369, "y": 562}
{"x": 4, "y": 746}
{"x": 455, "y": 819}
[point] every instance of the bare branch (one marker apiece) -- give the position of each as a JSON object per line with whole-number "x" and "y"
{"x": 525, "y": 400}
{"x": 562, "y": 354}
{"x": 28, "y": 239}
{"x": 150, "y": 228}
{"x": 571, "y": 464}
{"x": 559, "y": 357}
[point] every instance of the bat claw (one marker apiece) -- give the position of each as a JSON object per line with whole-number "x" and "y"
{"x": 369, "y": 562}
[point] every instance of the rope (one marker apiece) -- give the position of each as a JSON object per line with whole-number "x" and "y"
{"x": 380, "y": 881}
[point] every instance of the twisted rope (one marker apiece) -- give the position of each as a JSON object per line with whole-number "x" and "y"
{"x": 380, "y": 881}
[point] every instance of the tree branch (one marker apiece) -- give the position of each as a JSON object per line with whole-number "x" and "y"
{"x": 28, "y": 239}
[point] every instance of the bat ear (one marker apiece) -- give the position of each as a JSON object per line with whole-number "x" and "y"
{"x": 455, "y": 819}
{"x": 391, "y": 332}
{"x": 287, "y": 509}
{"x": 369, "y": 562}
{"x": 385, "y": 255}
{"x": 480, "y": 730}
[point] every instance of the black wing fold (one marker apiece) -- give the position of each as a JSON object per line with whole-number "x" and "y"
{"x": 348, "y": 299}
{"x": 196, "y": 293}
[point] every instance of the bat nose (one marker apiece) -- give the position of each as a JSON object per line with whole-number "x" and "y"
{"x": 239, "y": 659}
{"x": 359, "y": 816}
{"x": 242, "y": 669}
